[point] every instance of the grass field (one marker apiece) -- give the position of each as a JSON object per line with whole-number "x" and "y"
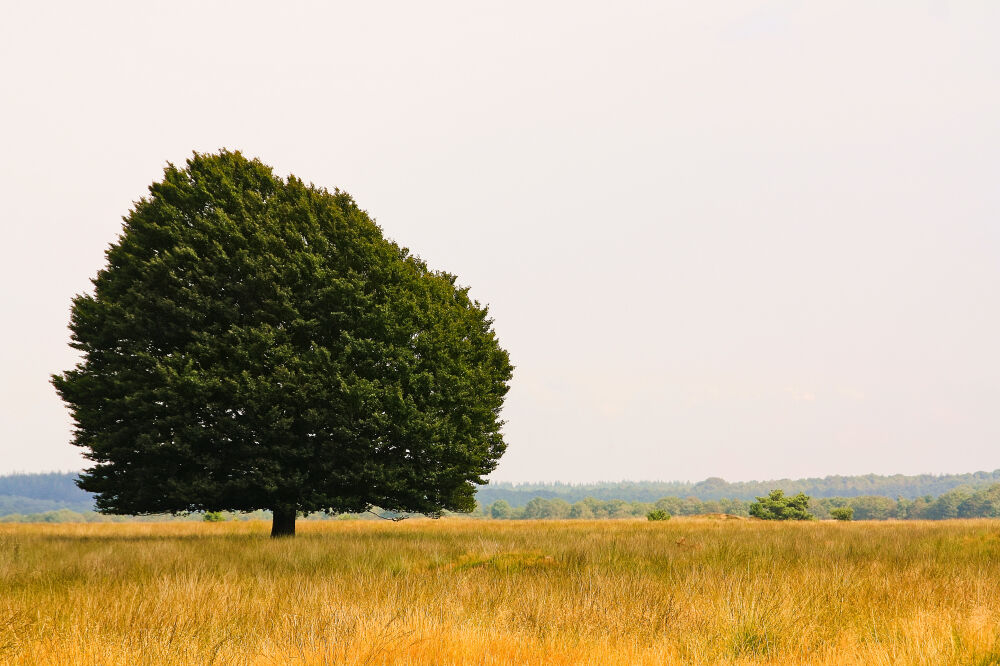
{"x": 490, "y": 592}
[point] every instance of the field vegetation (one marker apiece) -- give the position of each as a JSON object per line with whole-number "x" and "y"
{"x": 459, "y": 591}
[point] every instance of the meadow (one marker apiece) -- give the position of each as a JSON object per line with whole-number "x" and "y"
{"x": 460, "y": 591}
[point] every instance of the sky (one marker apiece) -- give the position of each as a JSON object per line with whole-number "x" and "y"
{"x": 741, "y": 239}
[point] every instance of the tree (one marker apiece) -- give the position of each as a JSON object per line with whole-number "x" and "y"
{"x": 581, "y": 509}
{"x": 544, "y": 508}
{"x": 845, "y": 513}
{"x": 536, "y": 508}
{"x": 983, "y": 503}
{"x": 873, "y": 507}
{"x": 776, "y": 506}
{"x": 501, "y": 510}
{"x": 946, "y": 506}
{"x": 256, "y": 343}
{"x": 617, "y": 508}
{"x": 672, "y": 505}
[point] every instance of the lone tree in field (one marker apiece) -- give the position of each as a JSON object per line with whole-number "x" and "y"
{"x": 256, "y": 343}
{"x": 778, "y": 506}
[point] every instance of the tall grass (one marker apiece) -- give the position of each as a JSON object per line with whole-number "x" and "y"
{"x": 489, "y": 592}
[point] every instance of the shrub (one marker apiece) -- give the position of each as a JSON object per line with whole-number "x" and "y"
{"x": 776, "y": 506}
{"x": 213, "y": 517}
{"x": 658, "y": 514}
{"x": 842, "y": 513}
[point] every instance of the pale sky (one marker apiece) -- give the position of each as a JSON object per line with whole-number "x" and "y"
{"x": 738, "y": 239}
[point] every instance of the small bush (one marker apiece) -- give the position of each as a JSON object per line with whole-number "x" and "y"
{"x": 777, "y": 506}
{"x": 658, "y": 514}
{"x": 842, "y": 513}
{"x": 214, "y": 517}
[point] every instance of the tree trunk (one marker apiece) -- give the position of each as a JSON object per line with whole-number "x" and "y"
{"x": 283, "y": 524}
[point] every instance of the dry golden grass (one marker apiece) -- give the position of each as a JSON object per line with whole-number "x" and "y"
{"x": 486, "y": 592}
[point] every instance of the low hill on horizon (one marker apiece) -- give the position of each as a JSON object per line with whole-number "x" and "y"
{"x": 50, "y": 491}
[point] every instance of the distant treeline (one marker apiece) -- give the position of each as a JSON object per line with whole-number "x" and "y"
{"x": 965, "y": 502}
{"x": 895, "y": 486}
{"x": 54, "y": 486}
{"x": 37, "y": 493}
{"x": 54, "y": 497}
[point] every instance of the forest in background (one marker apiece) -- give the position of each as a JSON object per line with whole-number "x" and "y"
{"x": 968, "y": 501}
{"x": 892, "y": 486}
{"x": 54, "y": 497}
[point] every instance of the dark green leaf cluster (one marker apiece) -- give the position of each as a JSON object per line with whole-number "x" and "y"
{"x": 255, "y": 342}
{"x": 777, "y": 506}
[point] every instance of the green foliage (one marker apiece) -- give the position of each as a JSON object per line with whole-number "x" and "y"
{"x": 969, "y": 502}
{"x": 213, "y": 517}
{"x": 35, "y": 493}
{"x": 872, "y": 507}
{"x": 777, "y": 506}
{"x": 716, "y": 489}
{"x": 543, "y": 508}
{"x": 256, "y": 343}
{"x": 982, "y": 502}
{"x": 501, "y": 510}
{"x": 657, "y": 514}
{"x": 590, "y": 508}
{"x": 842, "y": 513}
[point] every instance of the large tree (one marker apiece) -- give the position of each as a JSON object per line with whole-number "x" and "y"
{"x": 256, "y": 343}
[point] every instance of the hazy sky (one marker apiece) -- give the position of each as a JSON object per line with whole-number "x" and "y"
{"x": 738, "y": 239}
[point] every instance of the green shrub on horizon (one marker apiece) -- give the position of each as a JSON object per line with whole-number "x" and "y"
{"x": 778, "y": 506}
{"x": 842, "y": 513}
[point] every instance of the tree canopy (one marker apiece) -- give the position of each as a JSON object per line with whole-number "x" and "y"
{"x": 256, "y": 343}
{"x": 778, "y": 506}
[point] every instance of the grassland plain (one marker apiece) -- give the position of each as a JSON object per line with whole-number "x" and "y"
{"x": 458, "y": 591}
